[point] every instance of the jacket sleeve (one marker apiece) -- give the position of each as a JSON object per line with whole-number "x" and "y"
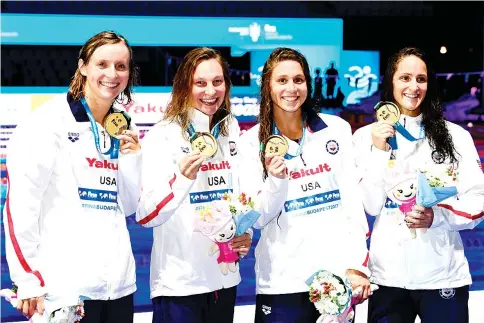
{"x": 164, "y": 188}
{"x": 466, "y": 210}
{"x": 30, "y": 162}
{"x": 129, "y": 180}
{"x": 270, "y": 194}
{"x": 352, "y": 207}
{"x": 369, "y": 162}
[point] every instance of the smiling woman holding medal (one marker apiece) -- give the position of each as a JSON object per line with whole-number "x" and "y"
{"x": 190, "y": 159}
{"x": 317, "y": 222}
{"x": 416, "y": 253}
{"x": 73, "y": 176}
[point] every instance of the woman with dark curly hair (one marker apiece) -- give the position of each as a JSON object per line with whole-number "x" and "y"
{"x": 416, "y": 253}
{"x": 319, "y": 223}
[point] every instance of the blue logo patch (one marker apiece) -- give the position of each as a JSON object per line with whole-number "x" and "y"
{"x": 89, "y": 194}
{"x": 203, "y": 197}
{"x": 310, "y": 201}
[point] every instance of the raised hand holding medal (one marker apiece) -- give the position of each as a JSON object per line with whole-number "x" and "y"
{"x": 276, "y": 148}
{"x": 205, "y": 144}
{"x": 387, "y": 111}
{"x": 116, "y": 125}
{"x": 387, "y": 114}
{"x": 276, "y": 145}
{"x": 129, "y": 142}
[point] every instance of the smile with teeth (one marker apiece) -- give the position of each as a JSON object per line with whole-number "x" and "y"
{"x": 411, "y": 96}
{"x": 209, "y": 101}
{"x": 109, "y": 84}
{"x": 290, "y": 98}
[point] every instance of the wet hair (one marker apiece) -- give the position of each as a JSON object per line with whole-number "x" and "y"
{"x": 266, "y": 105}
{"x": 76, "y": 87}
{"x": 180, "y": 106}
{"x": 436, "y": 130}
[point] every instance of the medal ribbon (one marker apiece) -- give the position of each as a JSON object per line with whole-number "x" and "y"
{"x": 276, "y": 131}
{"x": 113, "y": 151}
{"x": 215, "y": 130}
{"x": 404, "y": 132}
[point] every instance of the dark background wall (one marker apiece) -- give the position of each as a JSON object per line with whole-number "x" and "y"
{"x": 374, "y": 25}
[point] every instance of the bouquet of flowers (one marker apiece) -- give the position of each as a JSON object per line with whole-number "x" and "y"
{"x": 436, "y": 184}
{"x": 333, "y": 297}
{"x": 222, "y": 220}
{"x": 56, "y": 314}
{"x": 426, "y": 186}
{"x": 242, "y": 209}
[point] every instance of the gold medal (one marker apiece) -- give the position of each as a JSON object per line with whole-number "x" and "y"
{"x": 205, "y": 143}
{"x": 387, "y": 111}
{"x": 115, "y": 123}
{"x": 276, "y": 145}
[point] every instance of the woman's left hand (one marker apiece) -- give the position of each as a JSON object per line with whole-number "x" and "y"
{"x": 129, "y": 142}
{"x": 241, "y": 244}
{"x": 359, "y": 279}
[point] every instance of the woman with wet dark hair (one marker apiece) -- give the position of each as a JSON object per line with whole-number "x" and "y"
{"x": 416, "y": 253}
{"x": 318, "y": 223}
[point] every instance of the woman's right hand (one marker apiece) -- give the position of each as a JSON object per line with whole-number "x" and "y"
{"x": 380, "y": 132}
{"x": 276, "y": 166}
{"x": 28, "y": 307}
{"x": 190, "y": 164}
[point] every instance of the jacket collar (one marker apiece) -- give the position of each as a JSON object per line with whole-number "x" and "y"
{"x": 200, "y": 121}
{"x": 77, "y": 109}
{"x": 314, "y": 122}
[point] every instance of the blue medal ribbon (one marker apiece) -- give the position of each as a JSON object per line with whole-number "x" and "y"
{"x": 215, "y": 131}
{"x": 113, "y": 151}
{"x": 392, "y": 141}
{"x": 276, "y": 131}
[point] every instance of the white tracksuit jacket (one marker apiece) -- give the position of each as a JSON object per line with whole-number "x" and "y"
{"x": 435, "y": 258}
{"x": 65, "y": 233}
{"x": 319, "y": 223}
{"x": 170, "y": 202}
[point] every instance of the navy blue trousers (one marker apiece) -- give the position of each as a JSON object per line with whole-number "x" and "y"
{"x": 214, "y": 307}
{"x": 285, "y": 308}
{"x": 112, "y": 311}
{"x": 398, "y": 305}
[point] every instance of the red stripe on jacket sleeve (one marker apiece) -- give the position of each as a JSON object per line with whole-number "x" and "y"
{"x": 461, "y": 213}
{"x": 365, "y": 263}
{"x": 160, "y": 205}
{"x": 15, "y": 244}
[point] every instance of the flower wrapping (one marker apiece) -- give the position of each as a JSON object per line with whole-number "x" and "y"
{"x": 436, "y": 185}
{"x": 330, "y": 293}
{"x": 333, "y": 297}
{"x": 242, "y": 210}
